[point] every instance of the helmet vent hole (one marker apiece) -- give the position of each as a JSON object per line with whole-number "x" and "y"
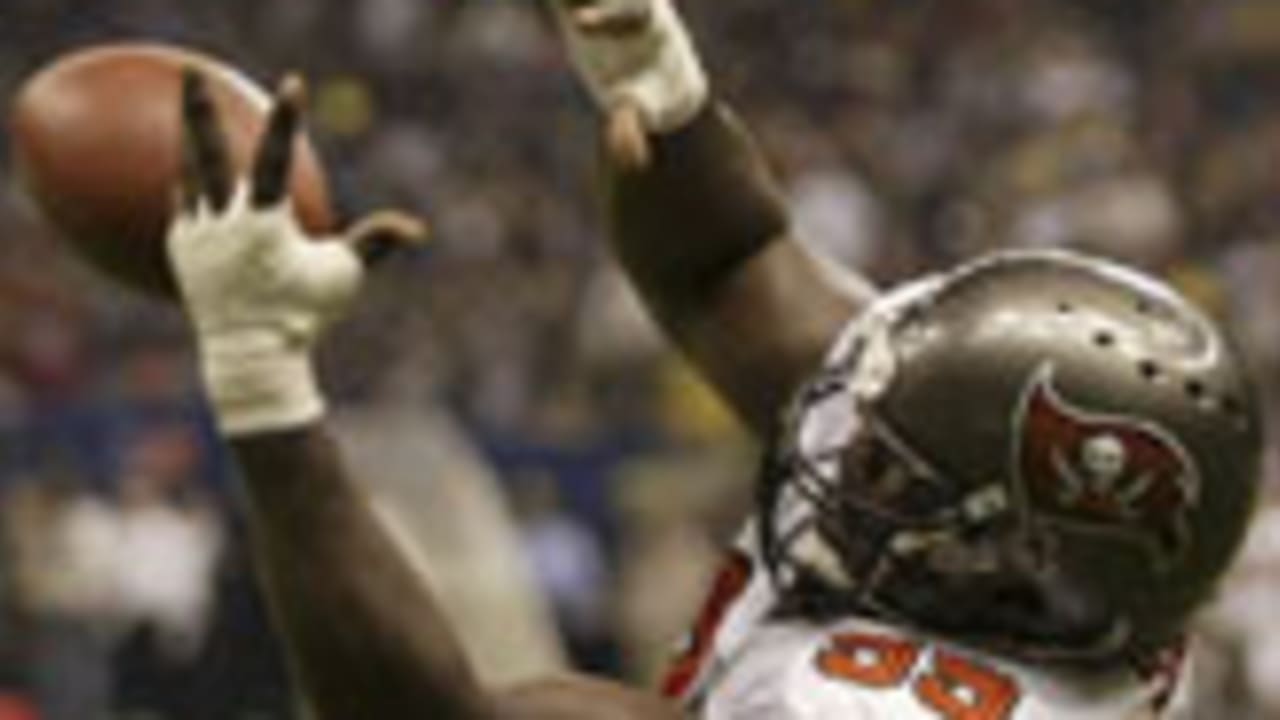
{"x": 1231, "y": 406}
{"x": 1104, "y": 338}
{"x": 1065, "y": 308}
{"x": 1195, "y": 389}
{"x": 1149, "y": 370}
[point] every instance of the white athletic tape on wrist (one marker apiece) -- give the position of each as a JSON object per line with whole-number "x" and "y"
{"x": 256, "y": 384}
{"x": 658, "y": 70}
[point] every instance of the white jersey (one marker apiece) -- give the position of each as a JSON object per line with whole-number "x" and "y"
{"x": 741, "y": 664}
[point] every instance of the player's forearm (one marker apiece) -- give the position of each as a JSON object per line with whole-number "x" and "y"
{"x": 698, "y": 220}
{"x": 702, "y": 231}
{"x": 692, "y": 196}
{"x": 687, "y": 222}
{"x": 361, "y": 625}
{"x": 363, "y": 630}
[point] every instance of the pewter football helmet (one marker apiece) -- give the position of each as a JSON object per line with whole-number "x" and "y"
{"x": 1040, "y": 453}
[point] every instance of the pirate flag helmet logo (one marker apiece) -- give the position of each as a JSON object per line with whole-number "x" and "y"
{"x": 1103, "y": 472}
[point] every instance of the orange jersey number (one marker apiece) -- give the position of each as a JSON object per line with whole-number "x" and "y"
{"x": 955, "y": 687}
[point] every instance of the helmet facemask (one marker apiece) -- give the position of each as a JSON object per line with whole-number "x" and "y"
{"x": 855, "y": 521}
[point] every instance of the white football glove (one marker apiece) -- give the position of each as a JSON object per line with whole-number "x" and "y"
{"x": 636, "y": 53}
{"x": 258, "y": 290}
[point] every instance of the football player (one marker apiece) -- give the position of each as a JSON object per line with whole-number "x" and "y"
{"x": 997, "y": 493}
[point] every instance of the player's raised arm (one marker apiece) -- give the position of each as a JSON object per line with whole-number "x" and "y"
{"x": 364, "y": 634}
{"x": 698, "y": 222}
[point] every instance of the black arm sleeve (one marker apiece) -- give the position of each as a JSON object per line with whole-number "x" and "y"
{"x": 705, "y": 204}
{"x": 703, "y": 233}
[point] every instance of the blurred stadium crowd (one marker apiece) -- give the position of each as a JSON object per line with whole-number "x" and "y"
{"x": 910, "y": 133}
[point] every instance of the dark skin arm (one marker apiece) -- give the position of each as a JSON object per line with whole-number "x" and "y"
{"x": 364, "y": 634}
{"x": 364, "y": 631}
{"x": 700, "y": 228}
{"x": 697, "y": 218}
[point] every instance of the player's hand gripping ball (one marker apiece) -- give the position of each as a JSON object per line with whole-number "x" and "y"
{"x": 258, "y": 289}
{"x": 97, "y": 137}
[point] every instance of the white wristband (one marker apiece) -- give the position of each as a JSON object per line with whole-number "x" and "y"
{"x": 258, "y": 384}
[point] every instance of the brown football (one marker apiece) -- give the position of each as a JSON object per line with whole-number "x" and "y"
{"x": 97, "y": 136}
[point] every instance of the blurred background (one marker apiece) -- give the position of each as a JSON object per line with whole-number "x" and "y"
{"x": 562, "y": 473}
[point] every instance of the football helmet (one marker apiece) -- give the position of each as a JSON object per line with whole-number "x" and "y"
{"x": 1038, "y": 453}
